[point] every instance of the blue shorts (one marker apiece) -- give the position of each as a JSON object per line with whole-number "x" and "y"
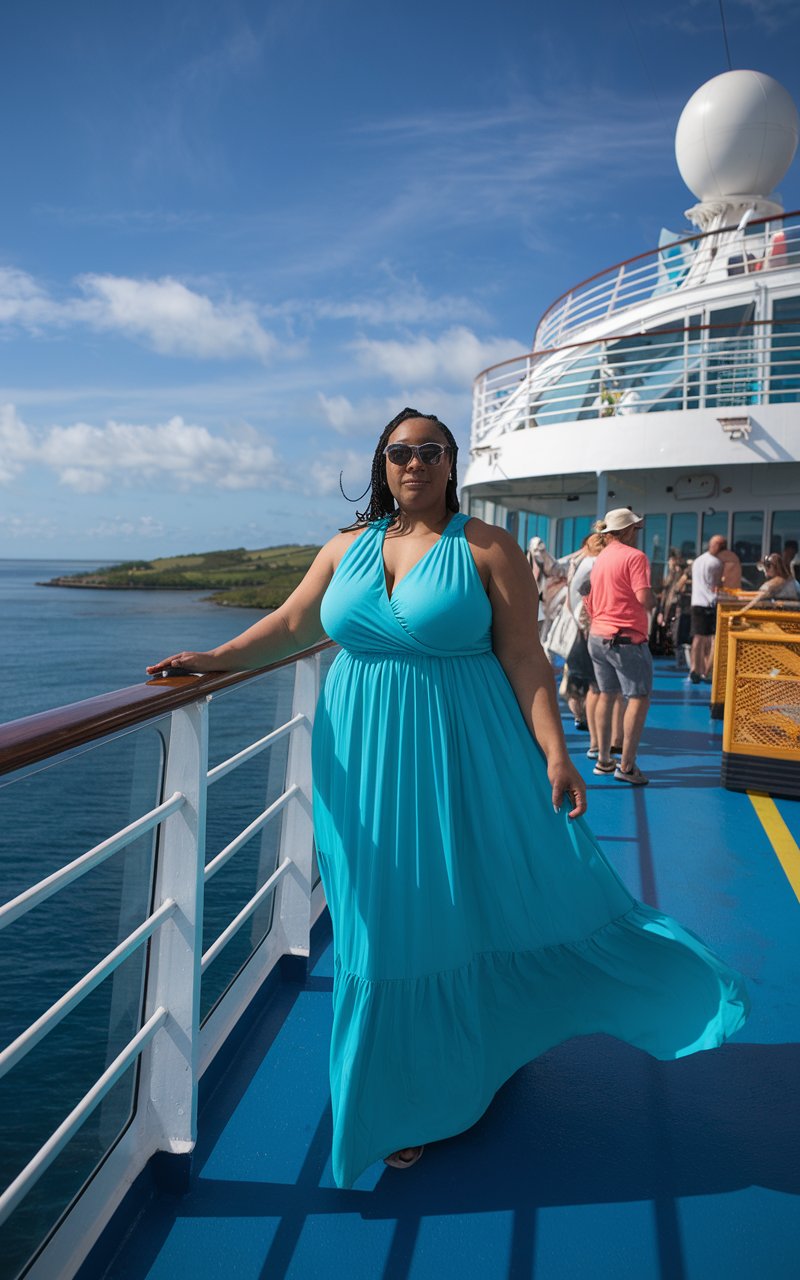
{"x": 622, "y": 668}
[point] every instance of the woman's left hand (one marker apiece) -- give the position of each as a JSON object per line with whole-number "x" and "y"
{"x": 566, "y": 781}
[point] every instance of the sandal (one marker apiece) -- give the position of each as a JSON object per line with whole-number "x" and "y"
{"x": 605, "y": 766}
{"x": 398, "y": 1160}
{"x": 593, "y": 753}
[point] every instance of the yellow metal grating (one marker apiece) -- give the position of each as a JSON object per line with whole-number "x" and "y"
{"x": 762, "y": 705}
{"x": 768, "y": 620}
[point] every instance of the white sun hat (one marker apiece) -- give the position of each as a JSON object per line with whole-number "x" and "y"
{"x": 618, "y": 519}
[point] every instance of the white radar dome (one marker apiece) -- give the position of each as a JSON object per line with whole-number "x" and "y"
{"x": 737, "y": 135}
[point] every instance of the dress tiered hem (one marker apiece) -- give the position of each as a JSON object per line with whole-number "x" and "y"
{"x": 458, "y": 1035}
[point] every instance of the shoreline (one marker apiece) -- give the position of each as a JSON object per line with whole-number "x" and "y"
{"x": 234, "y": 578}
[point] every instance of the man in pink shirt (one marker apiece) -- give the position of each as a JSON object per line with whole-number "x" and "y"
{"x": 618, "y": 604}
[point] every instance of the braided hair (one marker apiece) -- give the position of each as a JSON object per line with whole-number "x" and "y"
{"x": 381, "y": 500}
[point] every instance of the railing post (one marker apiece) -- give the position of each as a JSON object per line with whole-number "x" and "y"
{"x": 169, "y": 1066}
{"x": 562, "y": 320}
{"x": 612, "y": 301}
{"x": 297, "y": 828}
{"x": 685, "y": 394}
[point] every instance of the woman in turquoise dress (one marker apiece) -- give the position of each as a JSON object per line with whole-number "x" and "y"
{"x": 476, "y": 921}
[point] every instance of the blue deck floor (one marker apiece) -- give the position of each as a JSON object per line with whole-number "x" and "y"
{"x": 594, "y": 1160}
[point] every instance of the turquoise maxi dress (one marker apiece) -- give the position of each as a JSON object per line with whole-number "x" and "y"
{"x": 473, "y": 927}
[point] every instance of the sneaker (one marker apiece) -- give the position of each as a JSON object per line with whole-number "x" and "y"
{"x": 593, "y": 753}
{"x": 633, "y": 775}
{"x": 604, "y": 766}
{"x": 694, "y": 676}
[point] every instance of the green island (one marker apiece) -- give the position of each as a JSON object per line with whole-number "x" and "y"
{"x": 245, "y": 579}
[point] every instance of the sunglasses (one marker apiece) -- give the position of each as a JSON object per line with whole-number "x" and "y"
{"x": 430, "y": 454}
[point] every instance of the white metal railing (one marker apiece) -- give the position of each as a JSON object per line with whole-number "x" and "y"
{"x": 686, "y": 368}
{"x": 171, "y": 1047}
{"x": 764, "y": 245}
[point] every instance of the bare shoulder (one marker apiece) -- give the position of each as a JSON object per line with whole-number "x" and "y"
{"x": 491, "y": 544}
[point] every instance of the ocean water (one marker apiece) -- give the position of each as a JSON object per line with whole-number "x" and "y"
{"x": 63, "y": 644}
{"x": 60, "y": 646}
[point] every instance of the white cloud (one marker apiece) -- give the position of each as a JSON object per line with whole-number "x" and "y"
{"x": 369, "y": 415}
{"x": 400, "y": 303}
{"x": 23, "y": 302}
{"x": 122, "y": 527}
{"x": 163, "y": 314}
{"x": 88, "y": 458}
{"x": 28, "y": 527}
{"x": 455, "y": 357}
{"x": 351, "y": 466}
{"x": 16, "y": 444}
{"x": 173, "y": 319}
{"x": 82, "y": 480}
{"x": 339, "y": 412}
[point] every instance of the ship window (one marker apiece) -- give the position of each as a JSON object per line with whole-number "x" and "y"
{"x": 571, "y": 532}
{"x": 694, "y": 360}
{"x": 654, "y": 545}
{"x": 571, "y": 395}
{"x": 748, "y": 536}
{"x": 714, "y": 522}
{"x": 532, "y": 525}
{"x": 784, "y": 383}
{"x": 732, "y": 361}
{"x": 643, "y": 373}
{"x": 785, "y": 528}
{"x": 655, "y": 538}
{"x": 683, "y": 534}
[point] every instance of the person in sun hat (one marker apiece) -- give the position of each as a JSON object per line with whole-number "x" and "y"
{"x": 618, "y": 604}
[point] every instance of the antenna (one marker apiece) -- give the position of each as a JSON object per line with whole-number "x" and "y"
{"x": 725, "y": 35}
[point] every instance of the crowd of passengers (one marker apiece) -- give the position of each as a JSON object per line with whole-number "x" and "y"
{"x": 600, "y": 616}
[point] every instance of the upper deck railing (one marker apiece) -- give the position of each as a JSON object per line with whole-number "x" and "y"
{"x": 689, "y": 367}
{"x": 160, "y": 1028}
{"x": 764, "y": 245}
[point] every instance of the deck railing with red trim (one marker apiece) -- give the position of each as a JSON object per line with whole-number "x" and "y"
{"x": 687, "y": 367}
{"x": 765, "y": 244}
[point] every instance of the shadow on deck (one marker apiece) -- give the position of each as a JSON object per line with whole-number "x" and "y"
{"x": 594, "y": 1160}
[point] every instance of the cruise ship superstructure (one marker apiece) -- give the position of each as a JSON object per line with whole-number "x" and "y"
{"x": 670, "y": 382}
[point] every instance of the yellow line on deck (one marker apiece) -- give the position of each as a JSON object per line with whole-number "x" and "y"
{"x": 779, "y": 836}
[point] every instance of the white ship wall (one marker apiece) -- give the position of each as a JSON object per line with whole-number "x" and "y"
{"x": 688, "y": 440}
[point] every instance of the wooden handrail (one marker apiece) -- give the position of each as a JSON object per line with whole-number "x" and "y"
{"x": 648, "y": 253}
{"x": 35, "y": 738}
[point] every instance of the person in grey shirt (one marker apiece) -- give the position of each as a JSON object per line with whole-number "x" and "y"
{"x": 706, "y": 582}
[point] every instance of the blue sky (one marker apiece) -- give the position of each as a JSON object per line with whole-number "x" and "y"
{"x": 236, "y": 238}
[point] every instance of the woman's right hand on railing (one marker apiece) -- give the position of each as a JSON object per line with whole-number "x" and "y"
{"x": 187, "y": 661}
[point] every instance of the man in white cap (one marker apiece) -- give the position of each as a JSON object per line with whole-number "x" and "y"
{"x": 620, "y": 599}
